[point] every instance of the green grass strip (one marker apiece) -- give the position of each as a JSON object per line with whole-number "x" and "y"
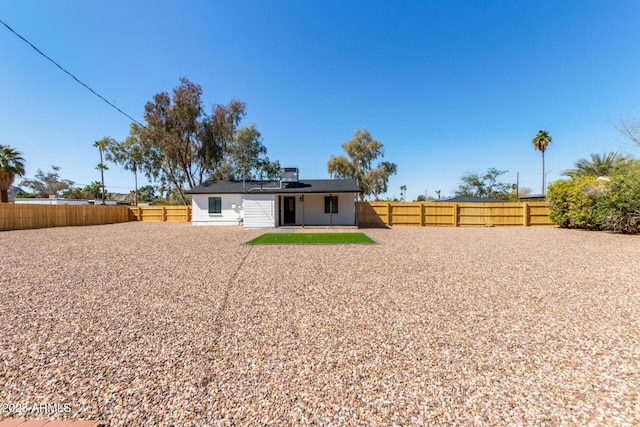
{"x": 311, "y": 239}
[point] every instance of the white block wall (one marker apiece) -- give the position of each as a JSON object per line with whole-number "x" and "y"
{"x": 230, "y": 215}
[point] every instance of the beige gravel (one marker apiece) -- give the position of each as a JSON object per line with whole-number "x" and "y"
{"x": 144, "y": 324}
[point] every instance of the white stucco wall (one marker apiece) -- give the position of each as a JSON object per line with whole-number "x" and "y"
{"x": 259, "y": 211}
{"x": 314, "y": 210}
{"x": 229, "y": 216}
{"x": 263, "y": 210}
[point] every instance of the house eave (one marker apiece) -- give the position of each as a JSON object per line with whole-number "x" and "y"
{"x": 275, "y": 187}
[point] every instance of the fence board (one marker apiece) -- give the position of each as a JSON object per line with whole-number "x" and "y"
{"x": 373, "y": 215}
{"x": 438, "y": 214}
{"x": 25, "y": 216}
{"x": 406, "y": 213}
{"x": 160, "y": 213}
{"x": 447, "y": 214}
{"x": 539, "y": 214}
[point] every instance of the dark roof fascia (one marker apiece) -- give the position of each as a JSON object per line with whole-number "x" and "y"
{"x": 533, "y": 198}
{"x": 318, "y": 186}
{"x": 464, "y": 199}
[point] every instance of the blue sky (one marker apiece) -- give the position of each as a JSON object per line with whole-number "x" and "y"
{"x": 447, "y": 86}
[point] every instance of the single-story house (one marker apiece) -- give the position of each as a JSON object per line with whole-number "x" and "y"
{"x": 267, "y": 204}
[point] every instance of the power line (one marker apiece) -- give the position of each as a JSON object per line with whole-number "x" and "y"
{"x": 71, "y": 75}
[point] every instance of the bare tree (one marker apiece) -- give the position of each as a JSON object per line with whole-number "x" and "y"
{"x": 630, "y": 128}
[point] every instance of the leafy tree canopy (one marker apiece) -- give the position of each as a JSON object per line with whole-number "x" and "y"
{"x": 189, "y": 143}
{"x": 487, "y": 185}
{"x": 77, "y": 193}
{"x": 94, "y": 190}
{"x": 362, "y": 151}
{"x": 47, "y": 184}
{"x": 181, "y": 146}
{"x": 146, "y": 194}
{"x": 246, "y": 157}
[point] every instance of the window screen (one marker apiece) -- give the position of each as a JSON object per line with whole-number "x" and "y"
{"x": 215, "y": 205}
{"x": 331, "y": 204}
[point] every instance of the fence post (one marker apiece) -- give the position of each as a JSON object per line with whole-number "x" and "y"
{"x": 422, "y": 214}
{"x": 455, "y": 214}
{"x": 164, "y": 213}
{"x": 526, "y": 214}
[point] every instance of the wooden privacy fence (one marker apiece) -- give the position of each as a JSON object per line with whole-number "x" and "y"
{"x": 160, "y": 213}
{"x": 24, "y": 216}
{"x": 448, "y": 214}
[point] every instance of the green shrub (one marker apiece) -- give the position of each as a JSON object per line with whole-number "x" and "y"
{"x": 586, "y": 202}
{"x": 572, "y": 202}
{"x": 622, "y": 203}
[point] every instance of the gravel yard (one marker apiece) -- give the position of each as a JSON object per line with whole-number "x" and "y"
{"x": 145, "y": 324}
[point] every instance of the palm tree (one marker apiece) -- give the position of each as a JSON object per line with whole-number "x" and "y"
{"x": 101, "y": 145}
{"x": 606, "y": 164}
{"x": 102, "y": 167}
{"x": 403, "y": 192}
{"x": 11, "y": 165}
{"x": 540, "y": 143}
{"x": 128, "y": 153}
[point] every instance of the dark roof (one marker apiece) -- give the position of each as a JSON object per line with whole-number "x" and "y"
{"x": 533, "y": 198}
{"x": 274, "y": 187}
{"x": 465, "y": 199}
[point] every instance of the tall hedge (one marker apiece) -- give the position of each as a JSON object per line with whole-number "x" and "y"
{"x": 596, "y": 204}
{"x": 622, "y": 204}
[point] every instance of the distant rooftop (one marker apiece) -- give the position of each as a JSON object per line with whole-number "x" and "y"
{"x": 465, "y": 199}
